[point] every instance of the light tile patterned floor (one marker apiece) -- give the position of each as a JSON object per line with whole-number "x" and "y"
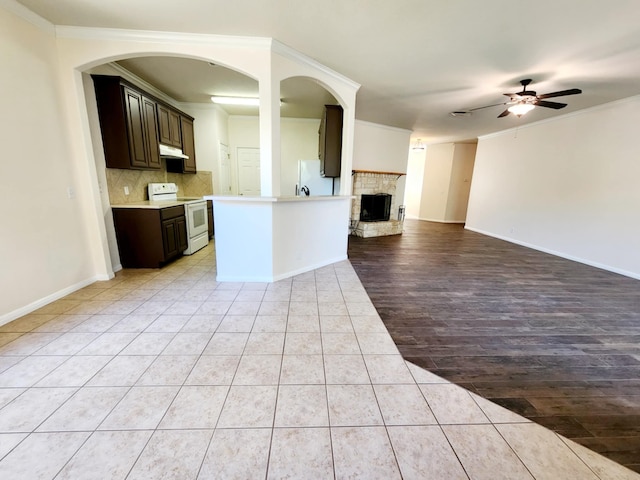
{"x": 167, "y": 374}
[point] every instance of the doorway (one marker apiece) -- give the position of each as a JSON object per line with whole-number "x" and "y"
{"x": 248, "y": 171}
{"x": 224, "y": 184}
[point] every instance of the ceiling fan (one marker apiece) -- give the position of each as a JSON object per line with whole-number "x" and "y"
{"x": 525, "y": 101}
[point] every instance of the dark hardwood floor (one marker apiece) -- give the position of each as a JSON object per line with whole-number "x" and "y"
{"x": 553, "y": 340}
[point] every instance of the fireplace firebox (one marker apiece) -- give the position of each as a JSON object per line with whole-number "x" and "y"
{"x": 375, "y": 208}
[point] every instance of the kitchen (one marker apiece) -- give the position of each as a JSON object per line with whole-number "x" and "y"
{"x": 129, "y": 189}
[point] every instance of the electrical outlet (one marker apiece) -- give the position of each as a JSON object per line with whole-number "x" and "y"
{"x": 71, "y": 193}
{"x": 126, "y": 190}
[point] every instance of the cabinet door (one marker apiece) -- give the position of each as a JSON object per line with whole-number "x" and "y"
{"x": 181, "y": 233}
{"x": 151, "y": 131}
{"x": 188, "y": 145}
{"x": 135, "y": 128}
{"x": 170, "y": 239}
{"x": 169, "y": 126}
{"x": 174, "y": 121}
{"x": 210, "y": 213}
{"x": 330, "y": 152}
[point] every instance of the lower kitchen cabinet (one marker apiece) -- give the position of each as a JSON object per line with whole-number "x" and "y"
{"x": 149, "y": 238}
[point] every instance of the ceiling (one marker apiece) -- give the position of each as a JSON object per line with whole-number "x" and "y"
{"x": 417, "y": 60}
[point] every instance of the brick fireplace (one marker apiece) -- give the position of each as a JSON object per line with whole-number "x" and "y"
{"x": 374, "y": 184}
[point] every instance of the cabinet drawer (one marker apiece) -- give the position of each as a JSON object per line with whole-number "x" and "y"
{"x": 172, "y": 212}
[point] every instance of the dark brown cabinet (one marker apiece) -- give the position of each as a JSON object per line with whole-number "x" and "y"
{"x": 210, "y": 214}
{"x": 148, "y": 237}
{"x": 187, "y": 165}
{"x": 188, "y": 144}
{"x": 330, "y": 148}
{"x": 169, "y": 126}
{"x": 128, "y": 122}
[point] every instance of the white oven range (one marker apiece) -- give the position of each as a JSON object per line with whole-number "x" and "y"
{"x": 195, "y": 210}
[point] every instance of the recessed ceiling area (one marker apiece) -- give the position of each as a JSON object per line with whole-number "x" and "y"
{"x": 195, "y": 81}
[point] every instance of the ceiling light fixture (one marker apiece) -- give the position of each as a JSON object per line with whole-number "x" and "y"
{"x": 520, "y": 109}
{"x": 247, "y": 101}
{"x": 418, "y": 145}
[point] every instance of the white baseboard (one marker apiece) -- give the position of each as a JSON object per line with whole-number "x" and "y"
{"x": 585, "y": 261}
{"x": 41, "y": 302}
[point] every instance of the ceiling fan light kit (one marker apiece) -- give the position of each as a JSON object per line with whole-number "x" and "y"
{"x": 520, "y": 109}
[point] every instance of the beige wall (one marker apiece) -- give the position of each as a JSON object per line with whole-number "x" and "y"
{"x": 43, "y": 242}
{"x": 415, "y": 178}
{"x": 446, "y": 181}
{"x": 383, "y": 149}
{"x": 464, "y": 156}
{"x": 568, "y": 186}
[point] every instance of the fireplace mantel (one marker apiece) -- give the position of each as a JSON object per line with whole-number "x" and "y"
{"x": 398, "y": 174}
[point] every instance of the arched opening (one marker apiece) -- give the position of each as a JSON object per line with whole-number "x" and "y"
{"x": 221, "y": 132}
{"x": 303, "y": 102}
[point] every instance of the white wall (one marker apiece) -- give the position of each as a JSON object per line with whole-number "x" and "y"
{"x": 244, "y": 131}
{"x": 43, "y": 242}
{"x": 413, "y": 185}
{"x": 210, "y": 129}
{"x": 568, "y": 186}
{"x": 464, "y": 155}
{"x": 446, "y": 180}
{"x": 382, "y": 149}
{"x": 436, "y": 180}
{"x": 299, "y": 141}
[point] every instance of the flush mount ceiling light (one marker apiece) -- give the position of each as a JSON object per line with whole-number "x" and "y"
{"x": 520, "y": 109}
{"x": 247, "y": 101}
{"x": 418, "y": 145}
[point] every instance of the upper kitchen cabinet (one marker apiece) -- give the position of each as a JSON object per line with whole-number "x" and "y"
{"x": 187, "y": 144}
{"x": 330, "y": 149}
{"x": 169, "y": 126}
{"x": 129, "y": 124}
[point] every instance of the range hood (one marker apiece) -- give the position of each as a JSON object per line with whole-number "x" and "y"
{"x": 171, "y": 152}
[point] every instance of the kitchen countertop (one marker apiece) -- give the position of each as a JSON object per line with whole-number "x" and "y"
{"x": 158, "y": 205}
{"x": 291, "y": 198}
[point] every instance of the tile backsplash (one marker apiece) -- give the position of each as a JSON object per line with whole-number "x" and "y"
{"x": 189, "y": 185}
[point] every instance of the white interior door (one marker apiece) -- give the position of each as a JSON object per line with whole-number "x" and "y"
{"x": 248, "y": 171}
{"x": 225, "y": 171}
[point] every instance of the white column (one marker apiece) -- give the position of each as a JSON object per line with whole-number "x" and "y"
{"x": 269, "y": 137}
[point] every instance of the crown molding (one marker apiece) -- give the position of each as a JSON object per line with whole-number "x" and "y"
{"x": 124, "y": 73}
{"x": 385, "y": 127}
{"x": 28, "y": 15}
{"x": 302, "y": 59}
{"x": 91, "y": 33}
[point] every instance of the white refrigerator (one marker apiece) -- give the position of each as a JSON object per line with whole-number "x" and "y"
{"x": 309, "y": 180}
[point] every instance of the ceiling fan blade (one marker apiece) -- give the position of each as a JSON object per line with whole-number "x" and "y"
{"x": 554, "y": 105}
{"x": 504, "y": 114}
{"x": 486, "y": 106}
{"x": 561, "y": 93}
